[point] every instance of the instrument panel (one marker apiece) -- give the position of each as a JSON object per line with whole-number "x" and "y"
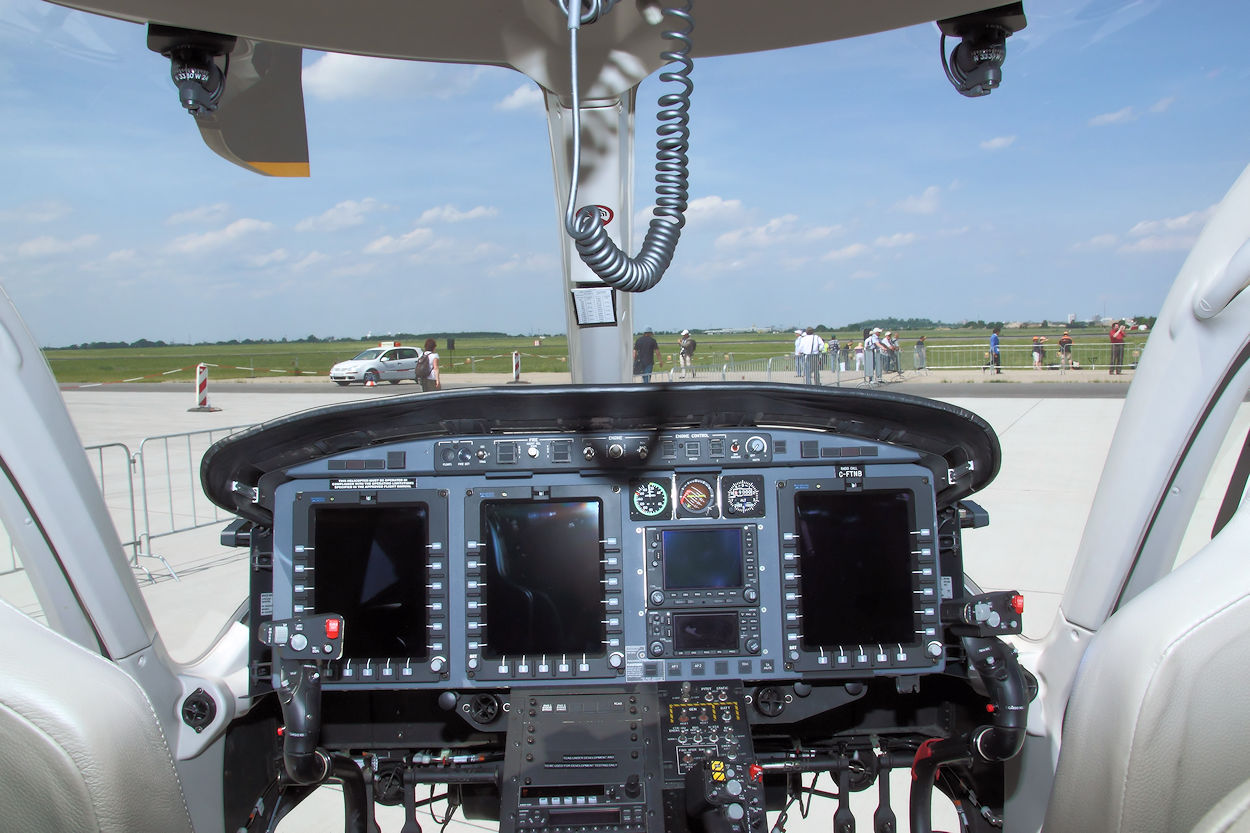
{"x": 602, "y": 558}
{"x": 621, "y": 608}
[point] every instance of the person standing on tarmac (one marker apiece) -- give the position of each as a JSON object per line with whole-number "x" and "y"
{"x": 810, "y": 346}
{"x": 646, "y": 355}
{"x": 685, "y": 353}
{"x": 1117, "y": 348}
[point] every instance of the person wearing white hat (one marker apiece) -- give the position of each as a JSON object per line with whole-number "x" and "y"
{"x": 685, "y": 353}
{"x": 798, "y": 352}
{"x": 874, "y": 358}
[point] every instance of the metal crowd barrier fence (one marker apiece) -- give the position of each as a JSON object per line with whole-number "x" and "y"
{"x": 1085, "y": 356}
{"x": 105, "y": 461}
{"x": 171, "y": 500}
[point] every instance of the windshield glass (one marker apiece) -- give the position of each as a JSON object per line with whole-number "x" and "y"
{"x": 368, "y": 354}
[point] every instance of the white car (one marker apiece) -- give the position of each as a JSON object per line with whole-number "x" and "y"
{"x": 377, "y": 364}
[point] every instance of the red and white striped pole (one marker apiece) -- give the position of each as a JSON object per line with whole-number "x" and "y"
{"x": 201, "y": 389}
{"x": 516, "y": 366}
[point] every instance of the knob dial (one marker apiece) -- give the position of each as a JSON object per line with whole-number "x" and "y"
{"x": 616, "y": 661}
{"x": 756, "y": 445}
{"x": 657, "y": 597}
{"x": 299, "y": 642}
{"x": 616, "y": 451}
{"x": 656, "y": 649}
{"x": 437, "y": 664}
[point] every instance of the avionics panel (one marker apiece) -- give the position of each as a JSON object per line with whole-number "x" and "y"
{"x": 542, "y": 583}
{"x": 377, "y": 559}
{"x": 518, "y": 573}
{"x": 860, "y": 584}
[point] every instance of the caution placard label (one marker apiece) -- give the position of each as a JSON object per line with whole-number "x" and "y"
{"x": 374, "y": 483}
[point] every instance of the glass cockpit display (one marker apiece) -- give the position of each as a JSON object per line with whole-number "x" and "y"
{"x": 544, "y": 576}
{"x": 855, "y": 553}
{"x": 371, "y": 569}
{"x": 702, "y": 558}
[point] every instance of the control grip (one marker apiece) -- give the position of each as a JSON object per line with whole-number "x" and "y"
{"x": 300, "y": 697}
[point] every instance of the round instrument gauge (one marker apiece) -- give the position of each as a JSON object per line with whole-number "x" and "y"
{"x": 743, "y": 497}
{"x": 696, "y": 496}
{"x": 650, "y": 498}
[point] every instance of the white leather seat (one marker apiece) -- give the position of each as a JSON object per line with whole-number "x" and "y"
{"x": 1231, "y": 815}
{"x": 1157, "y": 731}
{"x": 80, "y": 746}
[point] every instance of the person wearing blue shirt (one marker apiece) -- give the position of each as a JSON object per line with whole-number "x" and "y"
{"x": 995, "y": 358}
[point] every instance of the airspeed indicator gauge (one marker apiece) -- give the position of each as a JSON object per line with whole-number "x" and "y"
{"x": 649, "y": 500}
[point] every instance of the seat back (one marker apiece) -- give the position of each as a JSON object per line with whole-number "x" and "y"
{"x": 1157, "y": 730}
{"x": 80, "y": 746}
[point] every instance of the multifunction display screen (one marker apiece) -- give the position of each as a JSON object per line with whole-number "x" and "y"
{"x": 856, "y": 567}
{"x": 544, "y": 573}
{"x": 702, "y": 558}
{"x": 370, "y": 567}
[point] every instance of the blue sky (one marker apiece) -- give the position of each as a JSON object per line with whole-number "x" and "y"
{"x": 830, "y": 184}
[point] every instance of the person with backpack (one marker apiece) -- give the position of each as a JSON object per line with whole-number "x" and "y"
{"x": 427, "y": 367}
{"x": 685, "y": 353}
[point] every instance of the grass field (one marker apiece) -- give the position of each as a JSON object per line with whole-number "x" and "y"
{"x": 494, "y": 354}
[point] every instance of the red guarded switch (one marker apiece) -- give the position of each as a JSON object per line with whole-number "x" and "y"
{"x": 333, "y": 627}
{"x": 1017, "y": 604}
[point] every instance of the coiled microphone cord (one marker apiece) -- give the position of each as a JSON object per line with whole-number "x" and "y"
{"x": 672, "y": 172}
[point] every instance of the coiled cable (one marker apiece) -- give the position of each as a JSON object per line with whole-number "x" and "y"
{"x": 672, "y": 171}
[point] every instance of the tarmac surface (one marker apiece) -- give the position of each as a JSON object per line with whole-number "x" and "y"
{"x": 1054, "y": 435}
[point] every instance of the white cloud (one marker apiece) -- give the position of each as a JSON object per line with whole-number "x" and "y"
{"x": 531, "y": 263}
{"x": 48, "y": 245}
{"x": 388, "y": 245}
{"x": 337, "y": 76}
{"x": 122, "y": 256}
{"x": 777, "y": 231}
{"x": 195, "y": 243}
{"x": 344, "y": 215}
{"x": 923, "y": 203}
{"x": 451, "y": 214}
{"x": 894, "y": 240}
{"x": 863, "y": 275}
{"x": 1192, "y": 221}
{"x": 44, "y": 211}
{"x": 846, "y": 252}
{"x": 1118, "y": 117}
{"x": 1098, "y": 241}
{"x": 1160, "y": 243}
{"x": 998, "y": 143}
{"x": 524, "y": 97}
{"x": 214, "y": 213}
{"x": 307, "y": 260}
{"x": 1163, "y": 104}
{"x": 712, "y": 208}
{"x": 268, "y": 259}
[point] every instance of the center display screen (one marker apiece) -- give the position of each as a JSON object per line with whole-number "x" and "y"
{"x": 702, "y": 558}
{"x": 370, "y": 568}
{"x": 544, "y": 573}
{"x": 856, "y": 568}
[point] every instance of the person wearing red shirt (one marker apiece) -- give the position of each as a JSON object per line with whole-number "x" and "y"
{"x": 1117, "y": 348}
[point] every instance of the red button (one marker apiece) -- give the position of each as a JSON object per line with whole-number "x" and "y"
{"x": 756, "y": 772}
{"x": 1017, "y": 604}
{"x": 332, "y": 628}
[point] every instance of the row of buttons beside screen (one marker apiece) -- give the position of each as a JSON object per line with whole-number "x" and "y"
{"x": 542, "y": 666}
{"x": 868, "y": 656}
